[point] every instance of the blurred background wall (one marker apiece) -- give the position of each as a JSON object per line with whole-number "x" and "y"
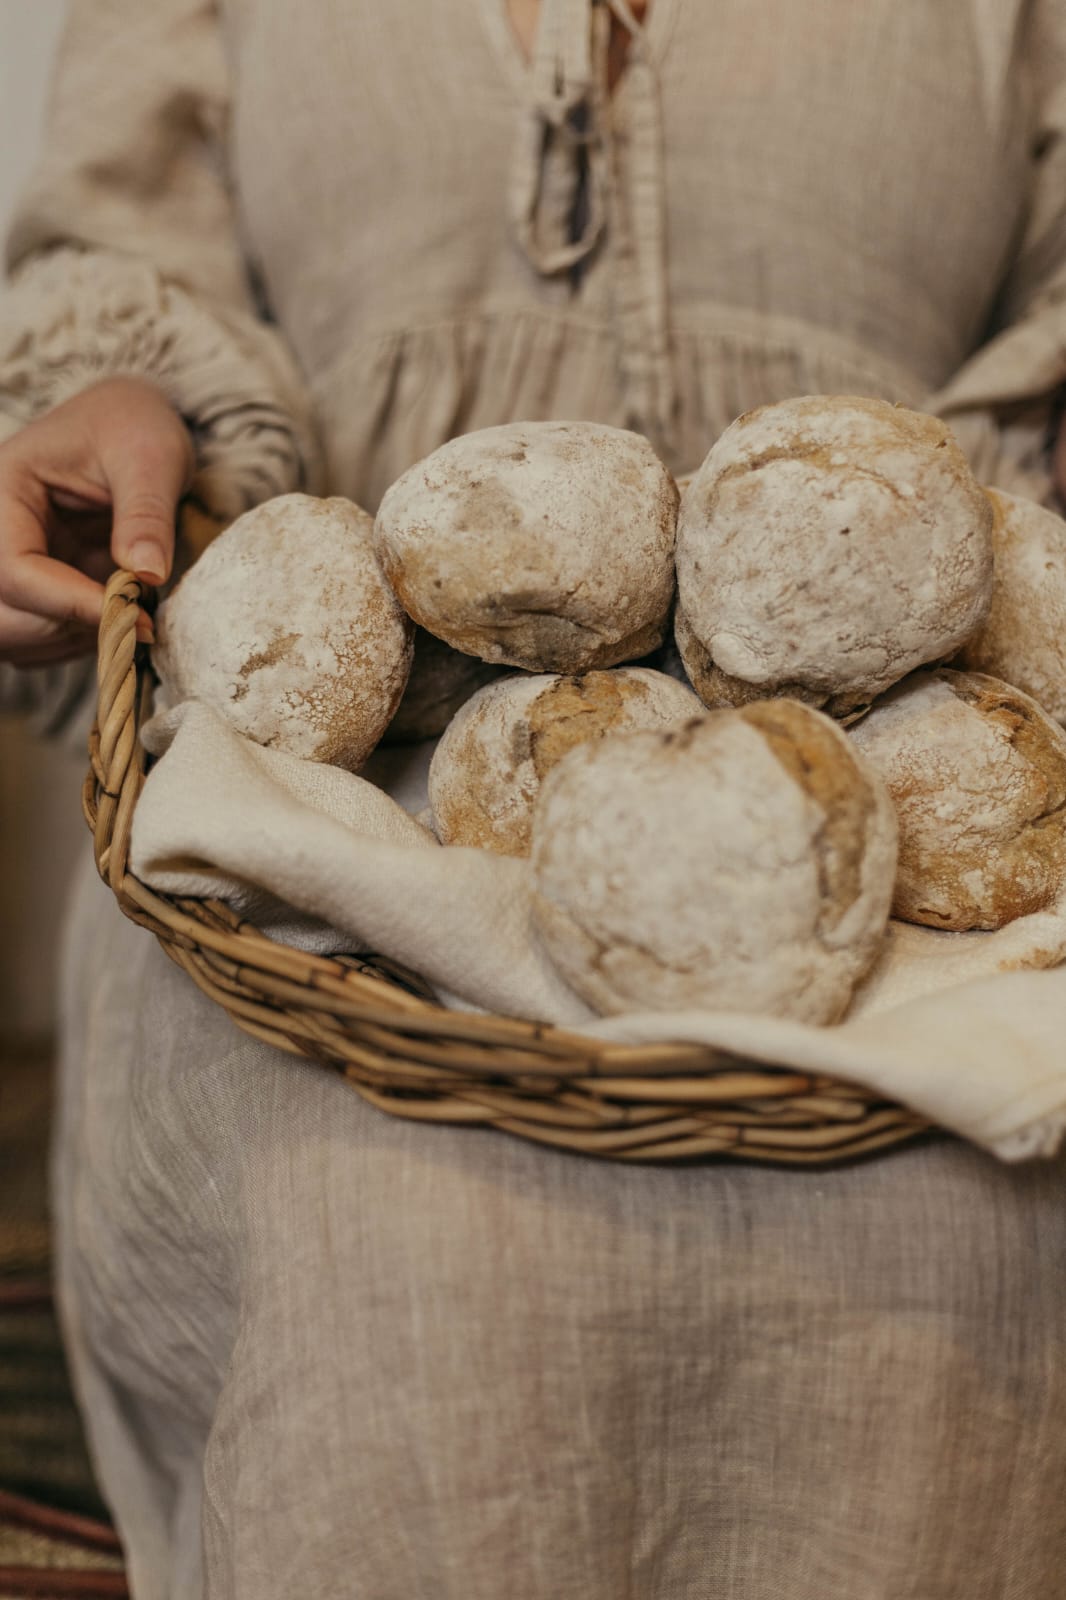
{"x": 41, "y": 831}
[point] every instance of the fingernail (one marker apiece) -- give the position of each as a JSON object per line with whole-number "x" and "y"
{"x": 148, "y": 561}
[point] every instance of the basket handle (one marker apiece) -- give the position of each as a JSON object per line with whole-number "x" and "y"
{"x": 117, "y": 757}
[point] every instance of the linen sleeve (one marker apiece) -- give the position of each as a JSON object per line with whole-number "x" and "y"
{"x": 1005, "y": 402}
{"x": 125, "y": 255}
{"x": 125, "y": 259}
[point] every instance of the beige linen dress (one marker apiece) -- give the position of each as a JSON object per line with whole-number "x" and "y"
{"x": 322, "y": 1352}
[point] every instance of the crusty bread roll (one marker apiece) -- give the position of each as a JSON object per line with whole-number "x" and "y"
{"x": 743, "y": 862}
{"x": 442, "y": 680}
{"x": 487, "y": 770}
{"x": 978, "y": 775}
{"x": 1023, "y": 638}
{"x": 287, "y": 626}
{"x": 833, "y": 544}
{"x": 715, "y": 688}
{"x": 543, "y": 545}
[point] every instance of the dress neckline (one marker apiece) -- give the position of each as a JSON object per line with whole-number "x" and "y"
{"x": 655, "y": 31}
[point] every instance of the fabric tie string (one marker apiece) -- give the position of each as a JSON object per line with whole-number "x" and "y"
{"x": 561, "y": 150}
{"x": 582, "y": 171}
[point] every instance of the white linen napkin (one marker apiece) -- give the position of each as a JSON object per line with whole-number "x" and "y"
{"x": 223, "y": 817}
{"x": 326, "y": 861}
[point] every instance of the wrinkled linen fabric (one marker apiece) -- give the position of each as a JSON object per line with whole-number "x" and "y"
{"x": 325, "y": 860}
{"x": 875, "y": 206}
{"x": 321, "y": 1351}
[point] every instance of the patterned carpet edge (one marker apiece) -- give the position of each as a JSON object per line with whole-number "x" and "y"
{"x": 56, "y": 1555}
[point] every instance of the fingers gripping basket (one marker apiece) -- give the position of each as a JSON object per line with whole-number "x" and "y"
{"x": 409, "y": 1056}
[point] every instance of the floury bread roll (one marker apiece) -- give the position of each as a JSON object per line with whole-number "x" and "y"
{"x": 744, "y": 862}
{"x": 541, "y": 545}
{"x": 442, "y": 680}
{"x": 487, "y": 770}
{"x": 287, "y": 625}
{"x": 1023, "y": 638}
{"x": 714, "y": 687}
{"x": 831, "y": 545}
{"x": 978, "y": 775}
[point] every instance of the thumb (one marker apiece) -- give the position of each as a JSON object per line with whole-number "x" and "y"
{"x": 147, "y": 480}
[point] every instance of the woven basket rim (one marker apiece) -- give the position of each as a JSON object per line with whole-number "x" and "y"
{"x": 407, "y": 1054}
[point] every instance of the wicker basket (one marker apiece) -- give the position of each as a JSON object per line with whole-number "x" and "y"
{"x": 409, "y": 1056}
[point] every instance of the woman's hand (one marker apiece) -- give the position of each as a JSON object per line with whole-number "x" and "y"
{"x": 92, "y": 485}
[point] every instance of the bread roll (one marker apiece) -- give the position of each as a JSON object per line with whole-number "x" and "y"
{"x": 1023, "y": 638}
{"x": 716, "y": 690}
{"x": 442, "y": 680}
{"x": 978, "y": 775}
{"x": 287, "y": 626}
{"x": 833, "y": 544}
{"x": 542, "y": 545}
{"x": 744, "y": 862}
{"x": 487, "y": 770}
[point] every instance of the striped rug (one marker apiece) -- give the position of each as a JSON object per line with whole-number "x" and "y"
{"x": 52, "y": 1554}
{"x": 54, "y": 1537}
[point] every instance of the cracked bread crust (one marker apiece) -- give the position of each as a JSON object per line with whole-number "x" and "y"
{"x": 488, "y": 769}
{"x": 1023, "y": 638}
{"x": 977, "y": 772}
{"x": 287, "y": 626}
{"x": 832, "y": 544}
{"x": 541, "y": 545}
{"x": 743, "y": 862}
